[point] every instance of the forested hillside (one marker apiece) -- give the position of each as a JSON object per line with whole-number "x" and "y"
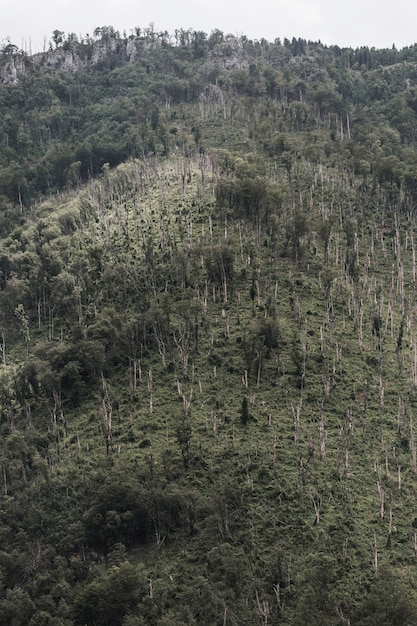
{"x": 208, "y": 324}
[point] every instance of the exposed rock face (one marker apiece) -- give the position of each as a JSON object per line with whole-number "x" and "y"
{"x": 102, "y": 49}
{"x": 228, "y": 55}
{"x": 14, "y": 65}
{"x": 131, "y": 49}
{"x": 53, "y": 60}
{"x": 66, "y": 60}
{"x": 73, "y": 57}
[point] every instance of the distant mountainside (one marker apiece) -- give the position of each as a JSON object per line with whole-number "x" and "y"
{"x": 68, "y": 53}
{"x": 208, "y": 335}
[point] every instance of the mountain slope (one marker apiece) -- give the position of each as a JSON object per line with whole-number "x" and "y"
{"x": 209, "y": 360}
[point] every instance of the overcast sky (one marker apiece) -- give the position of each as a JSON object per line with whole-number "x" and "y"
{"x": 379, "y": 23}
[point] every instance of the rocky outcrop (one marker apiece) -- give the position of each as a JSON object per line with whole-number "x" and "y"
{"x": 13, "y": 66}
{"x": 228, "y": 55}
{"x": 66, "y": 60}
{"x": 74, "y": 55}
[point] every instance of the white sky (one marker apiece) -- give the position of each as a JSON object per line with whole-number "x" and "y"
{"x": 379, "y": 23}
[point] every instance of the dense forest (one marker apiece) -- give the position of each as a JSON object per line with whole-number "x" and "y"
{"x": 208, "y": 342}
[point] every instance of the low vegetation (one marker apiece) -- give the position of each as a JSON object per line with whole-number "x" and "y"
{"x": 208, "y": 335}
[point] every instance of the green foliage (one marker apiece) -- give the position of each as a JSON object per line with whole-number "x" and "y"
{"x": 16, "y": 607}
{"x": 245, "y": 415}
{"x": 387, "y": 602}
{"x": 117, "y": 515}
{"x": 110, "y": 597}
{"x": 218, "y": 233}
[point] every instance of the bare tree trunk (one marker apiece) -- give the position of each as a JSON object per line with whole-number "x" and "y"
{"x": 150, "y": 388}
{"x": 296, "y": 415}
{"x": 381, "y": 494}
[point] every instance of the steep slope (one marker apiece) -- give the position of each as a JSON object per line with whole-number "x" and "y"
{"x": 209, "y": 352}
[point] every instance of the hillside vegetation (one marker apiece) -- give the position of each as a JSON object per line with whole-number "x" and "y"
{"x": 208, "y": 332}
